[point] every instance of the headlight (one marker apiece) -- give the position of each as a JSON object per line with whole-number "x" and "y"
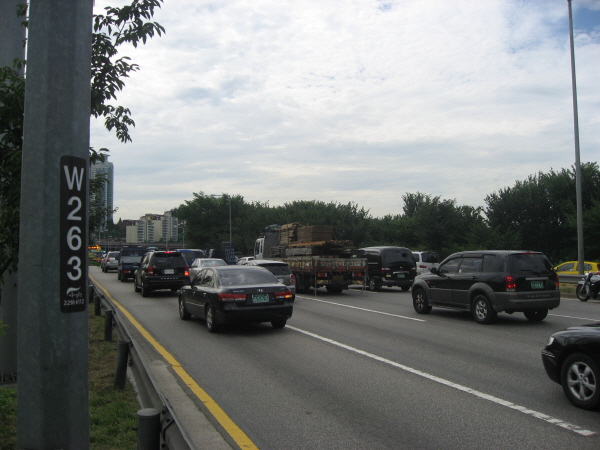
{"x": 550, "y": 340}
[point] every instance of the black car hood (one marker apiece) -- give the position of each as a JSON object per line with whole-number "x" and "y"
{"x": 593, "y": 327}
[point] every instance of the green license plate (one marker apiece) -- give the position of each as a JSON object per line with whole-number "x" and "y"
{"x": 399, "y": 275}
{"x": 260, "y": 298}
{"x": 537, "y": 285}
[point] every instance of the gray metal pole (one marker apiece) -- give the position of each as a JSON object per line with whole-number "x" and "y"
{"x": 578, "y": 189}
{"x": 12, "y": 36}
{"x": 53, "y": 411}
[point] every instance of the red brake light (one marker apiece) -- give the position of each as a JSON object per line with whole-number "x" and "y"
{"x": 232, "y": 297}
{"x": 186, "y": 271}
{"x": 282, "y": 295}
{"x": 292, "y": 279}
{"x": 150, "y": 270}
{"x": 510, "y": 284}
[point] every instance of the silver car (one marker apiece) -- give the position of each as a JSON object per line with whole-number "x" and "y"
{"x": 280, "y": 269}
{"x": 200, "y": 263}
{"x": 110, "y": 262}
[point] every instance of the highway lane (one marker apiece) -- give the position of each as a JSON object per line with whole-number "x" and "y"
{"x": 363, "y": 370}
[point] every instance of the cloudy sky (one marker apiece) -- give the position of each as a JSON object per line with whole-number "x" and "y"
{"x": 353, "y": 100}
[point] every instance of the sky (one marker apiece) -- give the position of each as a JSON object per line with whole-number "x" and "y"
{"x": 355, "y": 101}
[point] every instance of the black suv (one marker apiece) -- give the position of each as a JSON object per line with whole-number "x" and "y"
{"x": 161, "y": 270}
{"x": 390, "y": 266}
{"x": 487, "y": 282}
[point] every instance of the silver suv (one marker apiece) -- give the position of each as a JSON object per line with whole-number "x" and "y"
{"x": 110, "y": 261}
{"x": 280, "y": 269}
{"x": 487, "y": 282}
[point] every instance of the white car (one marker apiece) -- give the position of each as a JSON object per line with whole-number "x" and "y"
{"x": 425, "y": 261}
{"x": 200, "y": 263}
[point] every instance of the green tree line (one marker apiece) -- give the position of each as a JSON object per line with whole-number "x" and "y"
{"x": 538, "y": 213}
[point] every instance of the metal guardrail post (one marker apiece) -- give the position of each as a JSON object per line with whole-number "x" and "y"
{"x": 121, "y": 364}
{"x": 97, "y": 304}
{"x": 108, "y": 319}
{"x": 148, "y": 429}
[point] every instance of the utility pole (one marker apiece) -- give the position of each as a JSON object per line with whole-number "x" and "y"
{"x": 52, "y": 395}
{"x": 578, "y": 189}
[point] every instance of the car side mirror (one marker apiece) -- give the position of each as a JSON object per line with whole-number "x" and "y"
{"x": 434, "y": 270}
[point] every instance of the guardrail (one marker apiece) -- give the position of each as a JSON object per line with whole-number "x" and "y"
{"x": 570, "y": 279}
{"x": 158, "y": 425}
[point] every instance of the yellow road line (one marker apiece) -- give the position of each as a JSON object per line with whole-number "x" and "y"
{"x": 239, "y": 437}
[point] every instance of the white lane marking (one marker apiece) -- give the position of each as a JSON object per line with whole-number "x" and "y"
{"x": 362, "y": 309}
{"x": 578, "y": 318}
{"x": 491, "y": 398}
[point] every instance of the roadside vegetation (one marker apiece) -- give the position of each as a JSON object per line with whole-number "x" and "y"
{"x": 538, "y": 214}
{"x": 112, "y": 411}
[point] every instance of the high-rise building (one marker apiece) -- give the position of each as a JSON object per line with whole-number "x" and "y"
{"x": 105, "y": 169}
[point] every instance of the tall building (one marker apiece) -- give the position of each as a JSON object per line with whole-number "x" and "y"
{"x": 153, "y": 228}
{"x": 105, "y": 169}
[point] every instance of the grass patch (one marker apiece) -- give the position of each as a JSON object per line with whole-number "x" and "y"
{"x": 112, "y": 412}
{"x": 567, "y": 288}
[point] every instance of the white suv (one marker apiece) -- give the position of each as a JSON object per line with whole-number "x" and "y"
{"x": 425, "y": 261}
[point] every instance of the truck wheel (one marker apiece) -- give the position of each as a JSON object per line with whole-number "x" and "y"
{"x": 118, "y": 275}
{"x": 405, "y": 288}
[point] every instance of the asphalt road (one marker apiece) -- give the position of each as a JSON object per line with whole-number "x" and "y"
{"x": 362, "y": 370}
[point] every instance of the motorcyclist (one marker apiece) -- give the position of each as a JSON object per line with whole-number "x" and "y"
{"x": 595, "y": 285}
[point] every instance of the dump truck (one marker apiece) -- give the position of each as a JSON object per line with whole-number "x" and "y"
{"x": 315, "y": 257}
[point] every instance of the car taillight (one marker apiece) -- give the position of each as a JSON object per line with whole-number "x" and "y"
{"x": 150, "y": 270}
{"x": 321, "y": 274}
{"x": 510, "y": 284}
{"x": 186, "y": 271}
{"x": 282, "y": 295}
{"x": 385, "y": 269}
{"x": 357, "y": 275}
{"x": 292, "y": 279}
{"x": 232, "y": 297}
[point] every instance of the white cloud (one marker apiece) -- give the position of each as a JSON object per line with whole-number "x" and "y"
{"x": 356, "y": 101}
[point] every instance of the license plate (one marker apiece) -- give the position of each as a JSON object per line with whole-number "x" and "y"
{"x": 338, "y": 278}
{"x": 537, "y": 285}
{"x": 399, "y": 275}
{"x": 169, "y": 271}
{"x": 260, "y": 298}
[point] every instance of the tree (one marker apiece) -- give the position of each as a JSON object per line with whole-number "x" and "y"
{"x": 128, "y": 24}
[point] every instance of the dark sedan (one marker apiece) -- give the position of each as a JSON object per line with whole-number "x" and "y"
{"x": 234, "y": 294}
{"x": 572, "y": 359}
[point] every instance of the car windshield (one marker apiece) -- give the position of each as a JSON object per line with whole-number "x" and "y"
{"x": 246, "y": 277}
{"x": 277, "y": 269}
{"x": 529, "y": 263}
{"x": 429, "y": 257}
{"x": 133, "y": 251}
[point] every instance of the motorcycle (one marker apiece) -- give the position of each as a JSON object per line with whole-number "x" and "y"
{"x": 584, "y": 288}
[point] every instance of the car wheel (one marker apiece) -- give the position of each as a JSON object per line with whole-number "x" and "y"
{"x": 582, "y": 294}
{"x": 536, "y": 316}
{"x": 420, "y": 302}
{"x": 123, "y": 278}
{"x": 279, "y": 323}
{"x": 104, "y": 269}
{"x": 145, "y": 290}
{"x": 405, "y": 288}
{"x": 580, "y": 381}
{"x": 183, "y": 313}
{"x": 373, "y": 284}
{"x": 482, "y": 310}
{"x": 119, "y": 275}
{"x": 136, "y": 287}
{"x": 211, "y": 319}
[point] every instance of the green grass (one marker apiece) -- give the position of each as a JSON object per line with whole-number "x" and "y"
{"x": 112, "y": 412}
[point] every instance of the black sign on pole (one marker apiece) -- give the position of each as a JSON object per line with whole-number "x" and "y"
{"x": 73, "y": 234}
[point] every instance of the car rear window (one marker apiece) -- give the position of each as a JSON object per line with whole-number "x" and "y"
{"x": 133, "y": 251}
{"x": 524, "y": 264}
{"x": 245, "y": 277}
{"x": 168, "y": 259}
{"x": 113, "y": 254}
{"x": 429, "y": 257}
{"x": 277, "y": 269}
{"x": 189, "y": 257}
{"x": 394, "y": 255}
